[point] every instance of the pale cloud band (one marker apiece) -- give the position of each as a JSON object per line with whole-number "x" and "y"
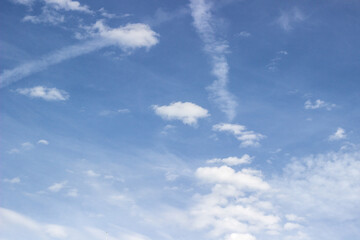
{"x": 128, "y": 37}
{"x": 217, "y": 49}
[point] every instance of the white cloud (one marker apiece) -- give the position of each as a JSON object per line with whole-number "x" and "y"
{"x": 273, "y": 65}
{"x": 56, "y": 231}
{"x": 68, "y": 5}
{"x": 128, "y": 37}
{"x": 187, "y": 112}
{"x": 232, "y": 161}
{"x": 318, "y": 104}
{"x": 288, "y": 18}
{"x": 291, "y": 226}
{"x": 239, "y": 236}
{"x": 217, "y": 49}
{"x": 27, "y": 145}
{"x": 24, "y": 2}
{"x": 244, "y": 34}
{"x": 43, "y": 141}
{"x": 338, "y": 135}
{"x": 114, "y": 112}
{"x": 91, "y": 173}
{"x": 13, "y": 180}
{"x": 13, "y": 150}
{"x": 47, "y": 16}
{"x": 56, "y": 187}
{"x": 72, "y": 192}
{"x": 48, "y": 94}
{"x": 247, "y": 138}
{"x": 294, "y": 218}
{"x": 246, "y": 179}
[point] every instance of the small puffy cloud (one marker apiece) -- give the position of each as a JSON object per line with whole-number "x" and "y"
{"x": 91, "y": 173}
{"x": 240, "y": 236}
{"x": 232, "y": 161}
{"x": 72, "y": 192}
{"x": 56, "y": 187}
{"x": 274, "y": 62}
{"x": 13, "y": 180}
{"x": 244, "y": 34}
{"x": 338, "y": 135}
{"x": 56, "y": 231}
{"x": 67, "y": 5}
{"x": 288, "y": 18}
{"x": 246, "y": 179}
{"x": 247, "y": 138}
{"x": 27, "y": 145}
{"x": 13, "y": 151}
{"x": 43, "y": 141}
{"x": 291, "y": 226}
{"x": 48, "y": 94}
{"x": 130, "y": 36}
{"x": 187, "y": 112}
{"x": 318, "y": 104}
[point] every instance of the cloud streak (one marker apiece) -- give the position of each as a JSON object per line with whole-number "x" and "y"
{"x": 217, "y": 49}
{"x": 128, "y": 37}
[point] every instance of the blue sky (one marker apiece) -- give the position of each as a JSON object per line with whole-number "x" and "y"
{"x": 200, "y": 119}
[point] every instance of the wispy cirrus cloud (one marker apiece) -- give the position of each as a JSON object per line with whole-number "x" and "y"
{"x": 127, "y": 38}
{"x": 48, "y": 94}
{"x": 289, "y": 18}
{"x": 217, "y": 50}
{"x": 246, "y": 137}
{"x": 232, "y": 161}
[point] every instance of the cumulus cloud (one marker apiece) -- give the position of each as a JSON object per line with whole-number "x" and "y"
{"x": 318, "y": 104}
{"x": 67, "y": 5}
{"x": 48, "y": 94}
{"x": 27, "y": 145}
{"x": 13, "y": 180}
{"x": 232, "y": 161}
{"x": 244, "y": 34}
{"x": 56, "y": 187}
{"x": 91, "y": 173}
{"x": 217, "y": 49}
{"x": 338, "y": 135}
{"x": 247, "y": 138}
{"x": 128, "y": 37}
{"x": 288, "y": 19}
{"x": 234, "y": 209}
{"x": 43, "y": 141}
{"x": 245, "y": 179}
{"x": 187, "y": 112}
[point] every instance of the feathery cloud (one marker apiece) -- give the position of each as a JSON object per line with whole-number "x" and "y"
{"x": 217, "y": 49}
{"x": 127, "y": 38}
{"x": 187, "y": 112}
{"x": 288, "y": 19}
{"x": 48, "y": 94}
{"x": 247, "y": 138}
{"x": 232, "y": 161}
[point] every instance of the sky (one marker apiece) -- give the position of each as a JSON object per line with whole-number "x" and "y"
{"x": 178, "y": 120}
